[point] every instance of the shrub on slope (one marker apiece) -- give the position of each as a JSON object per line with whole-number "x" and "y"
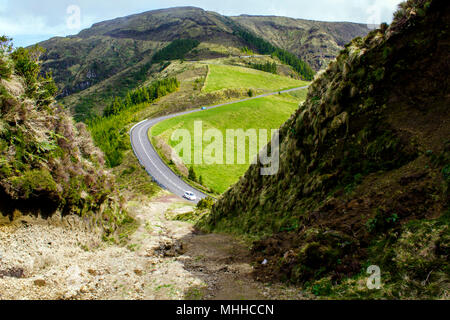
{"x": 364, "y": 166}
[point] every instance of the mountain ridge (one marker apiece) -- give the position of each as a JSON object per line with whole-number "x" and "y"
{"x": 304, "y": 37}
{"x": 98, "y": 53}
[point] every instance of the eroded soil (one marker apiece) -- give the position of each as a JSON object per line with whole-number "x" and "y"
{"x": 163, "y": 259}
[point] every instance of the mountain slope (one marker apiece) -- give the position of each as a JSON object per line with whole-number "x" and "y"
{"x": 364, "y": 170}
{"x": 109, "y": 47}
{"x": 47, "y": 163}
{"x": 115, "y": 56}
{"x": 164, "y": 25}
{"x": 315, "y": 42}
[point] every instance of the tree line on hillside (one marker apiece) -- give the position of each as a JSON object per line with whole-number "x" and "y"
{"x": 110, "y": 131}
{"x": 177, "y": 49}
{"x": 156, "y": 90}
{"x": 267, "y": 67}
{"x": 247, "y": 51}
{"x": 264, "y": 47}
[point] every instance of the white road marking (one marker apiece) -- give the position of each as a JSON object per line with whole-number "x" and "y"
{"x": 153, "y": 163}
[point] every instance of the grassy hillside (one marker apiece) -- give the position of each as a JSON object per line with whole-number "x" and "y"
{"x": 81, "y": 63}
{"x": 263, "y": 113}
{"x": 111, "y": 133}
{"x": 364, "y": 173}
{"x": 231, "y": 77}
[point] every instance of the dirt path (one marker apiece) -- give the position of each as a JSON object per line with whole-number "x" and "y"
{"x": 220, "y": 264}
{"x": 164, "y": 259}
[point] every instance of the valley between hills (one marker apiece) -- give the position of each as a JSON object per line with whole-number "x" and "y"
{"x": 364, "y": 159}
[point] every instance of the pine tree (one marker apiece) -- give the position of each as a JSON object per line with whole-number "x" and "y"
{"x": 145, "y": 95}
{"x": 192, "y": 176}
{"x": 148, "y": 94}
{"x": 128, "y": 100}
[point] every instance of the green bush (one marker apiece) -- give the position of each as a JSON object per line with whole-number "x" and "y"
{"x": 35, "y": 183}
{"x": 48, "y": 90}
{"x": 206, "y": 203}
{"x": 5, "y": 49}
{"x": 5, "y": 69}
{"x": 267, "y": 67}
{"x": 323, "y": 287}
{"x": 26, "y": 64}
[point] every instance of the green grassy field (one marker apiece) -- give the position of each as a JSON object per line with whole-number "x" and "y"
{"x": 232, "y": 77}
{"x": 264, "y": 113}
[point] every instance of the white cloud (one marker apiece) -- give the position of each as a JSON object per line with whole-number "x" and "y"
{"x": 24, "y": 25}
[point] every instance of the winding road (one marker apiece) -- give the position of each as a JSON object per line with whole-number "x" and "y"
{"x": 155, "y": 166}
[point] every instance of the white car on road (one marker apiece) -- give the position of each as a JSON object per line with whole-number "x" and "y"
{"x": 190, "y": 196}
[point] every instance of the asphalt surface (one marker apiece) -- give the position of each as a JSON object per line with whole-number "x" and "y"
{"x": 155, "y": 166}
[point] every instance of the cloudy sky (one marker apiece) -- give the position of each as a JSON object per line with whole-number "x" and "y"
{"x": 30, "y": 21}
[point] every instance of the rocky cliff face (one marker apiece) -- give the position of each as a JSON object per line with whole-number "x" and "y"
{"x": 365, "y": 167}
